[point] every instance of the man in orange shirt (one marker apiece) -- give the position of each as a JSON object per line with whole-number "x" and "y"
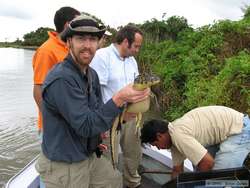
{"x": 51, "y": 52}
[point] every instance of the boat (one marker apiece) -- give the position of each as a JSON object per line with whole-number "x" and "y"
{"x": 155, "y": 170}
{"x": 28, "y": 177}
{"x": 224, "y": 178}
{"x": 156, "y": 166}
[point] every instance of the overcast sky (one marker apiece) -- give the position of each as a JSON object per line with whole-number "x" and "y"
{"x": 18, "y": 17}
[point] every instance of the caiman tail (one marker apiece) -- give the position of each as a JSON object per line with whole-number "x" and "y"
{"x": 113, "y": 138}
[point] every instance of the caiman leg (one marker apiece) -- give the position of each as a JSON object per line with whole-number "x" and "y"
{"x": 138, "y": 122}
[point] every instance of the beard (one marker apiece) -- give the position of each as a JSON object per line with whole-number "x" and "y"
{"x": 82, "y": 57}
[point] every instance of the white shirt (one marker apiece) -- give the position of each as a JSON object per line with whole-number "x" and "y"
{"x": 114, "y": 71}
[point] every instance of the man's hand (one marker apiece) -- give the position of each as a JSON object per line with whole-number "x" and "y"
{"x": 102, "y": 147}
{"x": 177, "y": 170}
{"x": 129, "y": 94}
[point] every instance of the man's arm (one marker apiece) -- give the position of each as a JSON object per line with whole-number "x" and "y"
{"x": 37, "y": 95}
{"x": 72, "y": 104}
{"x": 177, "y": 170}
{"x": 206, "y": 163}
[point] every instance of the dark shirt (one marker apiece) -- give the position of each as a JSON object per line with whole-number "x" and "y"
{"x": 73, "y": 112}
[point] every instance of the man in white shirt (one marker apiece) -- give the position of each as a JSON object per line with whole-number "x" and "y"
{"x": 116, "y": 67}
{"x": 188, "y": 137}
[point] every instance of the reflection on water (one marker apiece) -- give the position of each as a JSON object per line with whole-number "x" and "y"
{"x": 18, "y": 134}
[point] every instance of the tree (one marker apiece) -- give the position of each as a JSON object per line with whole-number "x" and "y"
{"x": 36, "y": 38}
{"x": 175, "y": 25}
{"x": 159, "y": 30}
{"x": 155, "y": 30}
{"x": 246, "y": 10}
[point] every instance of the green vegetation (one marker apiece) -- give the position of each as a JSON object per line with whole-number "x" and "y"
{"x": 209, "y": 65}
{"x": 206, "y": 66}
{"x": 36, "y": 38}
{"x": 31, "y": 40}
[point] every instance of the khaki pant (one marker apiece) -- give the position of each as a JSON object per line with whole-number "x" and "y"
{"x": 131, "y": 149}
{"x": 91, "y": 173}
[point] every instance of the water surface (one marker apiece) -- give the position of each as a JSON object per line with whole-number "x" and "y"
{"x": 18, "y": 133}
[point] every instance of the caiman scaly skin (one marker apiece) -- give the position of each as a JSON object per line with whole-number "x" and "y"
{"x": 141, "y": 82}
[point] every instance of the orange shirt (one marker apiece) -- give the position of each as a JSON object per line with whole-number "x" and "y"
{"x": 47, "y": 55}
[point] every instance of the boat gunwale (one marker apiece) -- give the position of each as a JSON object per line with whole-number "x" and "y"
{"x": 21, "y": 171}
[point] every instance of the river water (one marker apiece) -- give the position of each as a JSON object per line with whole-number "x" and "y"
{"x": 19, "y": 141}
